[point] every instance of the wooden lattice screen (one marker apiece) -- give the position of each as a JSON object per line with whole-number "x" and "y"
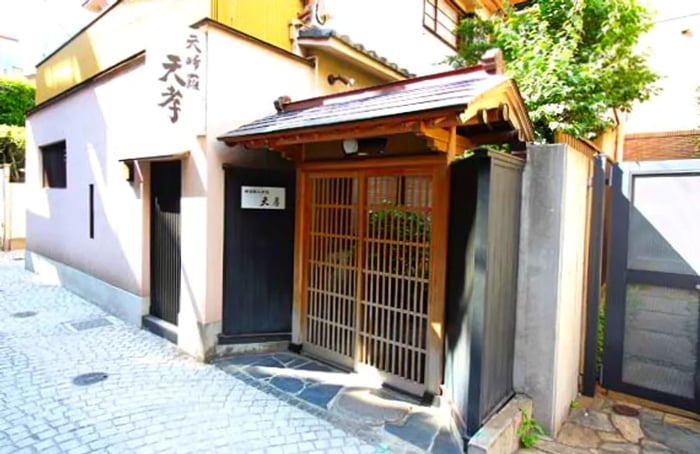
{"x": 332, "y": 267}
{"x": 368, "y": 272}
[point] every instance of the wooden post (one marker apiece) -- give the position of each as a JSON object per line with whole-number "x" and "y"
{"x": 300, "y": 244}
{"x": 438, "y": 265}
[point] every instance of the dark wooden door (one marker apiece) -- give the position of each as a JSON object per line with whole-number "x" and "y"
{"x": 166, "y": 180}
{"x": 258, "y": 256}
{"x": 653, "y": 287}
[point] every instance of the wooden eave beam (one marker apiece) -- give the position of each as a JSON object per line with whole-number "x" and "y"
{"x": 422, "y": 126}
{"x": 503, "y": 103}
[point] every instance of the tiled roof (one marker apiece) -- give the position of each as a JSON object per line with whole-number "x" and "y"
{"x": 453, "y": 89}
{"x": 316, "y": 33}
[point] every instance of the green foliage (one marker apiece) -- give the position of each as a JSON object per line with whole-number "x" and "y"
{"x": 574, "y": 60}
{"x": 12, "y": 145}
{"x": 529, "y": 431}
{"x": 16, "y": 98}
{"x": 400, "y": 227}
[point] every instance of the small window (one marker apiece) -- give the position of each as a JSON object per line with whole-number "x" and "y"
{"x": 53, "y": 162}
{"x": 442, "y": 17}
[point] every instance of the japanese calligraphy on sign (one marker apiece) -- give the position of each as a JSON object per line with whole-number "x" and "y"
{"x": 179, "y": 63}
{"x": 262, "y": 198}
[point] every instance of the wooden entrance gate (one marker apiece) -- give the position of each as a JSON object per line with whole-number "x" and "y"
{"x": 166, "y": 180}
{"x": 368, "y": 272}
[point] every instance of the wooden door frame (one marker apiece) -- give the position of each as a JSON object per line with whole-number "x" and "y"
{"x": 438, "y": 168}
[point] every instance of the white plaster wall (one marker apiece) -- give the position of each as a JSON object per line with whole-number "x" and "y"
{"x": 392, "y": 28}
{"x": 97, "y": 123}
{"x": 18, "y": 196}
{"x": 243, "y": 80}
{"x": 673, "y": 55}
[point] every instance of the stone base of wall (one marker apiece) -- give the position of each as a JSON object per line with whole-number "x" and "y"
{"x": 258, "y": 347}
{"x": 500, "y": 433}
{"x": 120, "y": 303}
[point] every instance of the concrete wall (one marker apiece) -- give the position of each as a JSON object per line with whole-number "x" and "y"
{"x": 551, "y": 280}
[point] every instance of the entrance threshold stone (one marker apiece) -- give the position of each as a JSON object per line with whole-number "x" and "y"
{"x": 348, "y": 400}
{"x": 160, "y": 328}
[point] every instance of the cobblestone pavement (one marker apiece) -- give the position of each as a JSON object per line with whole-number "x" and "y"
{"x": 596, "y": 428}
{"x": 155, "y": 398}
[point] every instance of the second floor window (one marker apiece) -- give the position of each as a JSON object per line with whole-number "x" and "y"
{"x": 442, "y": 18}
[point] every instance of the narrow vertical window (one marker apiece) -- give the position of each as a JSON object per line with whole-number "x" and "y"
{"x": 92, "y": 210}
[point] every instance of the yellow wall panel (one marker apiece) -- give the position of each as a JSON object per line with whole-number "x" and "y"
{"x": 121, "y": 32}
{"x": 266, "y": 20}
{"x": 331, "y": 65}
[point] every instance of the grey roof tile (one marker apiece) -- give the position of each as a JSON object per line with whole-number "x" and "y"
{"x": 452, "y": 90}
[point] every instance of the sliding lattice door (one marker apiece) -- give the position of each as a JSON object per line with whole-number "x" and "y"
{"x": 332, "y": 267}
{"x": 368, "y": 273}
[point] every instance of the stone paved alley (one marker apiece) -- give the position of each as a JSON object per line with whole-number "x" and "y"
{"x": 155, "y": 399}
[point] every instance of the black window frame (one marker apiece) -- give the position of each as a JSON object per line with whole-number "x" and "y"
{"x": 54, "y": 166}
{"x": 433, "y": 25}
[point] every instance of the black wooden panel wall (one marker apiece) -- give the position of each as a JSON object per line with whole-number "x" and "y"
{"x": 484, "y": 229}
{"x": 501, "y": 286}
{"x": 258, "y": 260}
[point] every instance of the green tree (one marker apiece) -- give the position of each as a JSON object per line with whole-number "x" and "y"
{"x": 574, "y": 60}
{"x": 16, "y": 98}
{"x": 12, "y": 146}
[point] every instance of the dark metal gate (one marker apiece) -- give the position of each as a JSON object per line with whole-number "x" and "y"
{"x": 166, "y": 180}
{"x": 653, "y": 284}
{"x": 258, "y": 255}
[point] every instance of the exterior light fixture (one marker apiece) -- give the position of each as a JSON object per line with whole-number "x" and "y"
{"x": 350, "y": 147}
{"x": 333, "y": 78}
{"x": 371, "y": 146}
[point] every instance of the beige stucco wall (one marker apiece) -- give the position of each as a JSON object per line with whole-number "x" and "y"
{"x": 673, "y": 55}
{"x": 18, "y": 196}
{"x": 571, "y": 281}
{"x": 243, "y": 83}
